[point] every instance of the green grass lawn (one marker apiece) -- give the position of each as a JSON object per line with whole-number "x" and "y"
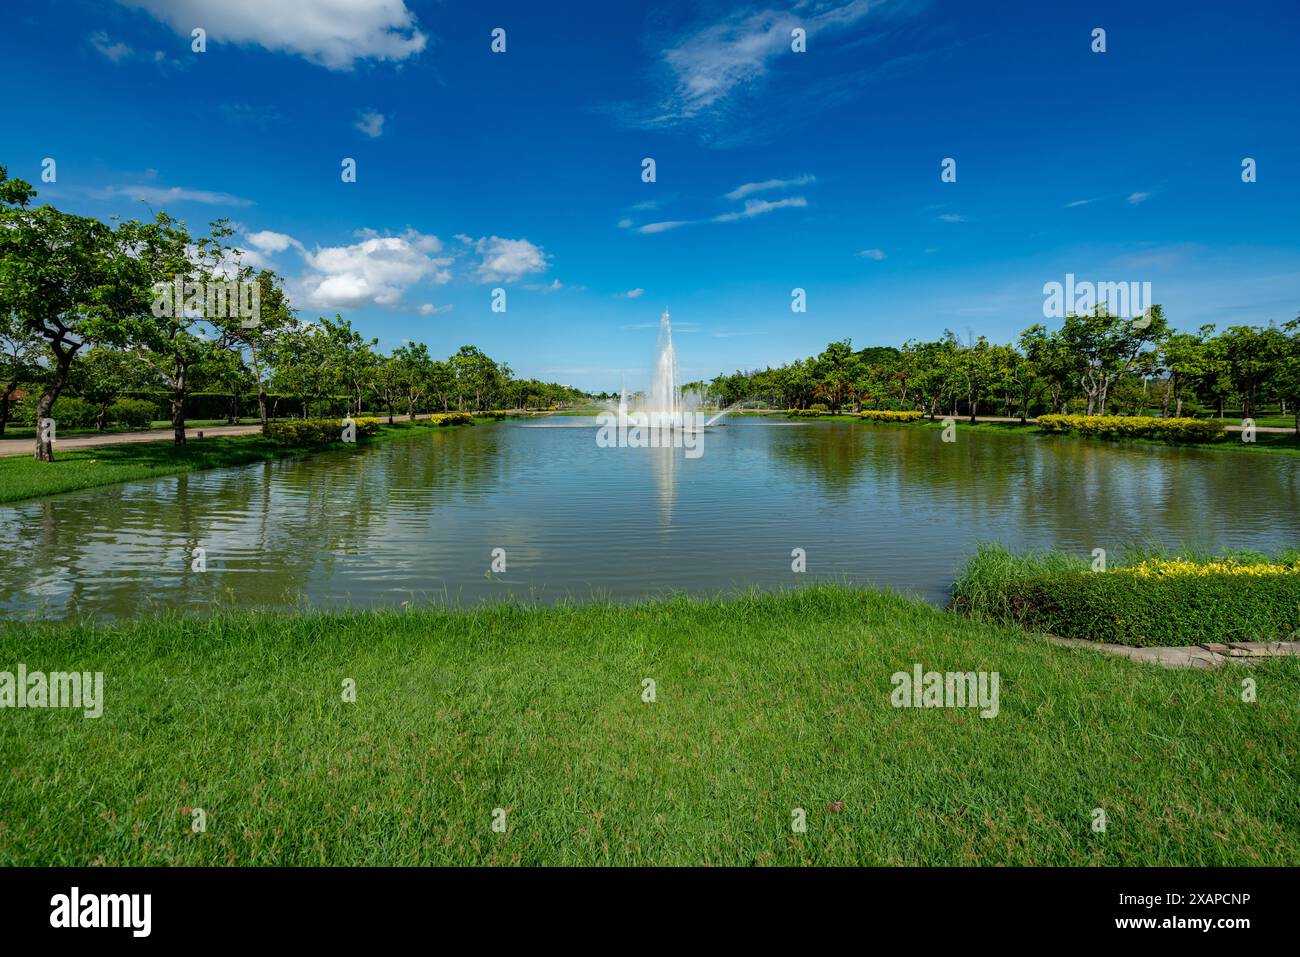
{"x": 22, "y": 477}
{"x": 764, "y": 704}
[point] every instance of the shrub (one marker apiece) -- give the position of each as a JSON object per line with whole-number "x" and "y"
{"x": 133, "y": 413}
{"x": 818, "y": 407}
{"x": 1188, "y": 601}
{"x": 493, "y": 414}
{"x": 69, "y": 412}
{"x": 888, "y": 415}
{"x": 809, "y": 413}
{"x": 301, "y": 433}
{"x": 1133, "y": 427}
{"x": 451, "y": 418}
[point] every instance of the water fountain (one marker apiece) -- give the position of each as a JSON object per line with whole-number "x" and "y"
{"x": 664, "y": 404}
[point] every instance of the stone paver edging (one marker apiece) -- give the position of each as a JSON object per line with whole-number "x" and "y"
{"x": 1191, "y": 656}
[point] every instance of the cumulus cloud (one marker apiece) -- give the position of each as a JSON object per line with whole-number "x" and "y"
{"x": 371, "y": 123}
{"x": 268, "y": 241}
{"x": 375, "y": 271}
{"x": 429, "y": 309}
{"x": 505, "y": 260}
{"x": 331, "y": 33}
{"x": 634, "y": 293}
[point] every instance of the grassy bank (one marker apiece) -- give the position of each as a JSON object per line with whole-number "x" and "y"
{"x": 1141, "y": 597}
{"x": 763, "y": 704}
{"x": 22, "y": 477}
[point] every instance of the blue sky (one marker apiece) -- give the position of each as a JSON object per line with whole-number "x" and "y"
{"x": 818, "y": 170}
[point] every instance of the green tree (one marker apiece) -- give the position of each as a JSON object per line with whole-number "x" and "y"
{"x": 71, "y": 280}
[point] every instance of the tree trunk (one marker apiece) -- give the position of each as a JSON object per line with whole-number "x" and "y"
{"x": 261, "y": 387}
{"x": 10, "y": 388}
{"x": 63, "y": 361}
{"x": 178, "y": 404}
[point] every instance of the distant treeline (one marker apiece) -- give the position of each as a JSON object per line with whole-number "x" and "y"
{"x": 1094, "y": 364}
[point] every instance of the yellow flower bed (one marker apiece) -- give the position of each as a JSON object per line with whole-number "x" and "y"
{"x": 1169, "y": 568}
{"x": 887, "y": 415}
{"x": 1134, "y": 427}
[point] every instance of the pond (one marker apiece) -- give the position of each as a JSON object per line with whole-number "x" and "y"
{"x": 420, "y": 519}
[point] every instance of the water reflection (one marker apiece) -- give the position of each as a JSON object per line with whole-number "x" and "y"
{"x": 417, "y": 519}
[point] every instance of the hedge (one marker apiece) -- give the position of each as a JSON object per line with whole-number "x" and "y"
{"x": 1153, "y": 602}
{"x": 885, "y": 415}
{"x": 311, "y": 432}
{"x": 439, "y": 419}
{"x": 1133, "y": 427}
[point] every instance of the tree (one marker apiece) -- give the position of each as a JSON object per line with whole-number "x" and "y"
{"x": 1252, "y": 356}
{"x": 1106, "y": 346}
{"x": 71, "y": 280}
{"x": 1183, "y": 355}
{"x": 259, "y": 337}
{"x": 20, "y": 350}
{"x": 416, "y": 369}
{"x": 101, "y": 375}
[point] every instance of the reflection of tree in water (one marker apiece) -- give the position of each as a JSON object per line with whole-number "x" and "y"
{"x": 1047, "y": 489}
{"x": 830, "y": 455}
{"x": 268, "y": 529}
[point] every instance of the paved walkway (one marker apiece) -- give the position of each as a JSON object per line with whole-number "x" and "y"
{"x": 1192, "y": 656}
{"x": 28, "y": 446}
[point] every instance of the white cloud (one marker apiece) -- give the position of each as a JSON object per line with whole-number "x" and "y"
{"x": 429, "y": 309}
{"x": 164, "y": 195}
{"x": 876, "y": 254}
{"x": 1136, "y": 198}
{"x": 375, "y": 271}
{"x": 952, "y": 218}
{"x": 505, "y": 260}
{"x": 1079, "y": 202}
{"x": 663, "y": 227}
{"x": 332, "y": 33}
{"x": 114, "y": 52}
{"x": 748, "y": 189}
{"x": 707, "y": 66}
{"x": 634, "y": 293}
{"x": 268, "y": 241}
{"x": 553, "y": 286}
{"x": 625, "y": 223}
{"x": 757, "y": 207}
{"x": 371, "y": 123}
